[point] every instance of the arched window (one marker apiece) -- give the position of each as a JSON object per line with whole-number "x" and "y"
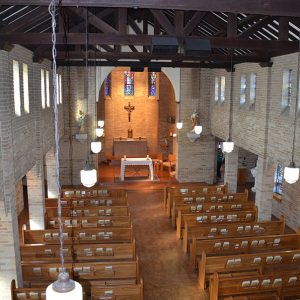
{"x": 128, "y": 83}
{"x": 278, "y": 178}
{"x": 152, "y": 83}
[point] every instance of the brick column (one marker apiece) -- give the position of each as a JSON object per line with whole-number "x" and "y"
{"x": 264, "y": 182}
{"x": 10, "y": 266}
{"x": 231, "y": 169}
{"x": 52, "y": 188}
{"x": 36, "y": 196}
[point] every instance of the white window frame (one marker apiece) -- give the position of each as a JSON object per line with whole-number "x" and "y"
{"x": 253, "y": 82}
{"x": 43, "y": 91}
{"x": 222, "y": 89}
{"x": 60, "y": 89}
{"x": 26, "y": 88}
{"x": 286, "y": 94}
{"x": 17, "y": 93}
{"x": 47, "y": 88}
{"x": 216, "y": 88}
{"x": 243, "y": 90}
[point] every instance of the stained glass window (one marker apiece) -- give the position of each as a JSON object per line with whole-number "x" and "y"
{"x": 108, "y": 85}
{"x": 252, "y": 88}
{"x": 128, "y": 83}
{"x": 222, "y": 98}
{"x": 278, "y": 178}
{"x": 216, "y": 89}
{"x": 152, "y": 83}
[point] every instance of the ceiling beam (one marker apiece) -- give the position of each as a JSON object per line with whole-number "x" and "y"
{"x": 94, "y": 20}
{"x": 193, "y": 22}
{"x": 171, "y": 64}
{"x": 163, "y": 21}
{"x": 263, "y": 7}
{"x": 141, "y": 40}
{"x": 149, "y": 56}
{"x": 283, "y": 29}
{"x": 255, "y": 27}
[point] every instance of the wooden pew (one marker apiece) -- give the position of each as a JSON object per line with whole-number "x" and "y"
{"x": 209, "y": 207}
{"x": 89, "y": 211}
{"x": 282, "y": 284}
{"x": 262, "y": 262}
{"x": 202, "y": 191}
{"x": 230, "y": 230}
{"x": 123, "y": 292}
{"x": 27, "y": 293}
{"x": 214, "y": 199}
{"x": 76, "y": 235}
{"x": 88, "y": 222}
{"x": 184, "y": 185}
{"x": 213, "y": 217}
{"x": 77, "y": 252}
{"x": 80, "y": 191}
{"x": 242, "y": 245}
{"x": 86, "y": 271}
{"x": 82, "y": 202}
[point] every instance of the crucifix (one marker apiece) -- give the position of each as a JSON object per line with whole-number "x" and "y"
{"x": 129, "y": 109}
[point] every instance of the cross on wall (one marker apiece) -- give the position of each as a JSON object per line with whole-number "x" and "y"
{"x": 129, "y": 108}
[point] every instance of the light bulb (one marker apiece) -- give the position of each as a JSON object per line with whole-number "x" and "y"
{"x": 101, "y": 123}
{"x": 96, "y": 146}
{"x": 99, "y": 132}
{"x": 88, "y": 176}
{"x": 179, "y": 125}
{"x": 291, "y": 173}
{"x": 198, "y": 129}
{"x": 227, "y": 147}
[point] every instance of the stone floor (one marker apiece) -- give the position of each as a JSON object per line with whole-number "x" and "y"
{"x": 164, "y": 267}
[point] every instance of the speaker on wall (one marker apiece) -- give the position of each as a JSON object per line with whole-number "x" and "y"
{"x": 197, "y": 47}
{"x": 164, "y": 45}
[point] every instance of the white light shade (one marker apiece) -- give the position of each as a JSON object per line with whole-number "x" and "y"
{"x": 227, "y": 147}
{"x": 75, "y": 294}
{"x": 291, "y": 174}
{"x": 101, "y": 123}
{"x": 88, "y": 176}
{"x": 96, "y": 146}
{"x": 198, "y": 129}
{"x": 99, "y": 132}
{"x": 179, "y": 125}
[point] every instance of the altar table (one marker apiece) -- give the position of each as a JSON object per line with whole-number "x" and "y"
{"x": 136, "y": 162}
{"x": 130, "y": 147}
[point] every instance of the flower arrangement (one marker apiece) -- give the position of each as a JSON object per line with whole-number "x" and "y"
{"x": 194, "y": 118}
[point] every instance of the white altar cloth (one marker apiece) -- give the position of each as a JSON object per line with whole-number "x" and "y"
{"x": 136, "y": 162}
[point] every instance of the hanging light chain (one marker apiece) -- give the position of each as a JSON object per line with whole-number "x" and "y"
{"x": 52, "y": 11}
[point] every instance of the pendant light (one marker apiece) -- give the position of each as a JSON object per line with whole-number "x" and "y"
{"x": 228, "y": 146}
{"x": 88, "y": 175}
{"x": 99, "y": 132}
{"x": 96, "y": 146}
{"x": 179, "y": 124}
{"x": 198, "y": 129}
{"x": 101, "y": 123}
{"x": 64, "y": 288}
{"x": 291, "y": 173}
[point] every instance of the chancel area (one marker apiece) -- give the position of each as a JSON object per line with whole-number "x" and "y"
{"x": 149, "y": 150}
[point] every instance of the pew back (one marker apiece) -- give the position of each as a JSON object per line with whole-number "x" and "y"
{"x": 80, "y": 191}
{"x": 231, "y": 230}
{"x": 240, "y": 245}
{"x": 213, "y": 217}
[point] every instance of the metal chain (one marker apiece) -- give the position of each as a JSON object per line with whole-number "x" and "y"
{"x": 52, "y": 11}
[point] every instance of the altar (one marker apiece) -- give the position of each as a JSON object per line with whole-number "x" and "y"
{"x": 136, "y": 162}
{"x": 129, "y": 147}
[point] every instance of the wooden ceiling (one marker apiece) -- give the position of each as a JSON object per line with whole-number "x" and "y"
{"x": 119, "y": 33}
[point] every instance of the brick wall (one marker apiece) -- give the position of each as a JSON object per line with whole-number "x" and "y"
{"x": 24, "y": 141}
{"x": 263, "y": 129}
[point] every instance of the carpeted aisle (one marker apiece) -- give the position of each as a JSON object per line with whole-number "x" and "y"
{"x": 165, "y": 269}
